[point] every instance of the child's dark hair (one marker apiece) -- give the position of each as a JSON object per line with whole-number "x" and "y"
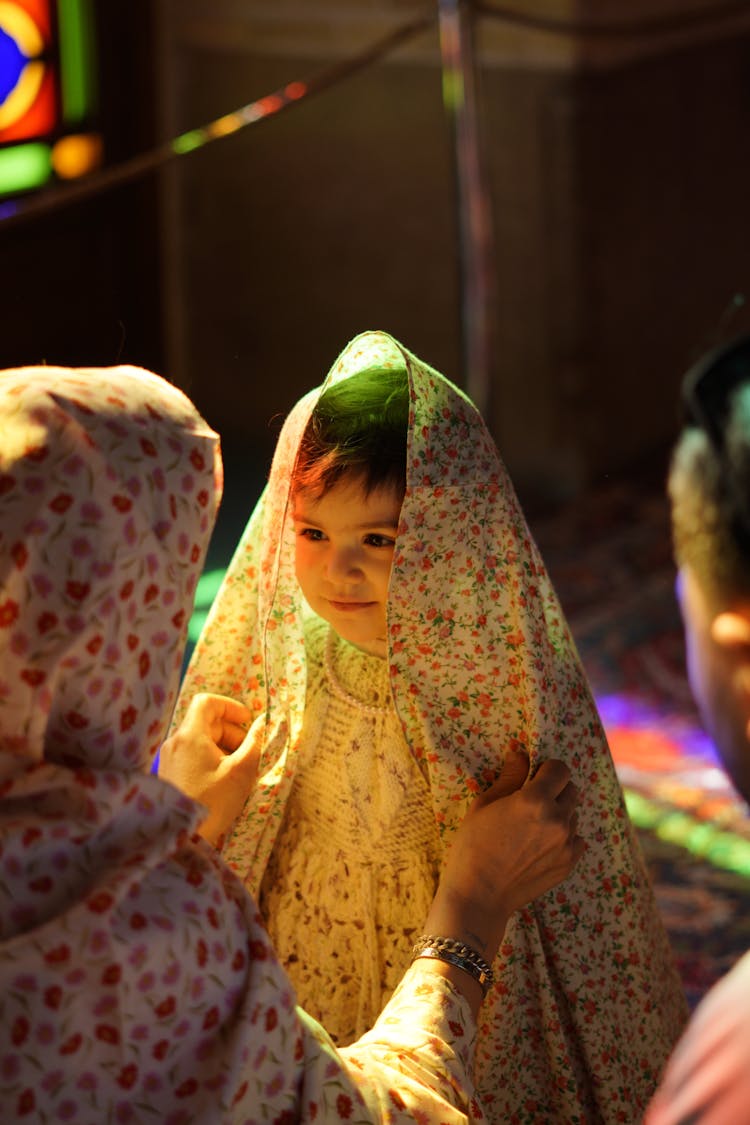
{"x": 704, "y": 509}
{"x": 358, "y": 429}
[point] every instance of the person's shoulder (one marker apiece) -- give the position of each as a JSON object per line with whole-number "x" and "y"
{"x": 735, "y": 983}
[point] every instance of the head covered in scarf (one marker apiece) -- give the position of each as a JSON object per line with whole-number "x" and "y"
{"x": 109, "y": 484}
{"x": 108, "y": 493}
{"x": 479, "y": 652}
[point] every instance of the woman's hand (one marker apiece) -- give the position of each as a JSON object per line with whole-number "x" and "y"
{"x": 212, "y": 758}
{"x": 516, "y": 842}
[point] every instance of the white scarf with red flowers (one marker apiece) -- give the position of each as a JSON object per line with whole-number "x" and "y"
{"x": 587, "y": 1003}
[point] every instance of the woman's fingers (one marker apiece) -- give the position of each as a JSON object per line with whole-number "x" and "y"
{"x": 222, "y": 719}
{"x": 231, "y": 736}
{"x": 514, "y": 775}
{"x": 568, "y": 799}
{"x": 552, "y": 777}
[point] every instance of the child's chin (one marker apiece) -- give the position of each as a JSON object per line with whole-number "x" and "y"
{"x": 374, "y": 646}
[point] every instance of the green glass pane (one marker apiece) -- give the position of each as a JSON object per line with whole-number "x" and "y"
{"x": 24, "y": 167}
{"x": 77, "y": 58}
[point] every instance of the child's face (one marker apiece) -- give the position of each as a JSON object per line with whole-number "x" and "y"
{"x": 344, "y": 548}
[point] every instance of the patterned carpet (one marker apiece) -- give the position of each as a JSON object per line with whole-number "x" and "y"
{"x": 618, "y": 593}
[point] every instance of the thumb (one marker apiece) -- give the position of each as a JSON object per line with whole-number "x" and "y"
{"x": 247, "y": 754}
{"x": 515, "y": 773}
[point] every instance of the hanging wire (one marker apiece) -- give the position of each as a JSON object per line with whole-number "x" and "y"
{"x": 14, "y": 213}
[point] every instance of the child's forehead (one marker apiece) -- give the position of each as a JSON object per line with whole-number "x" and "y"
{"x": 348, "y": 499}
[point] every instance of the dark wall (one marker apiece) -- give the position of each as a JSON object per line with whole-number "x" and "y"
{"x": 621, "y": 233}
{"x": 331, "y": 218}
{"x": 619, "y": 205}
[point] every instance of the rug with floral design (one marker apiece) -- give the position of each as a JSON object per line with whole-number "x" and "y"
{"x": 610, "y": 557}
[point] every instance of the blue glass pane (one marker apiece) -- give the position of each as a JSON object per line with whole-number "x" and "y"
{"x": 12, "y": 62}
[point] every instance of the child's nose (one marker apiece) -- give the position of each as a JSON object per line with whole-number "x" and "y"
{"x": 344, "y": 563}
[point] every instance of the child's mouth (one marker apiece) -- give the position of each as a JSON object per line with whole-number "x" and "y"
{"x": 350, "y": 607}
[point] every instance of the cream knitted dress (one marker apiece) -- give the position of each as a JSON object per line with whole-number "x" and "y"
{"x": 355, "y": 863}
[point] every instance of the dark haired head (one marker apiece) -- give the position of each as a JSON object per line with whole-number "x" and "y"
{"x": 357, "y": 430}
{"x": 706, "y": 484}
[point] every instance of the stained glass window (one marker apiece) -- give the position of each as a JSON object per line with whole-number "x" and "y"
{"x": 47, "y": 93}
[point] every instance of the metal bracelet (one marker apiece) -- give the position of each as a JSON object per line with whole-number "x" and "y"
{"x": 456, "y": 953}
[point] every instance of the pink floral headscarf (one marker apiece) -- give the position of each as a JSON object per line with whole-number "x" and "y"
{"x": 108, "y": 492}
{"x": 587, "y": 1003}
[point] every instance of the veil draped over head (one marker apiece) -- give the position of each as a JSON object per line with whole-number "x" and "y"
{"x": 587, "y": 1003}
{"x": 109, "y": 483}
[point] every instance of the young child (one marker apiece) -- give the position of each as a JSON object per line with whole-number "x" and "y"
{"x": 389, "y": 620}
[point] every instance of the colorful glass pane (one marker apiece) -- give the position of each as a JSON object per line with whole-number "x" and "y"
{"x": 75, "y": 21}
{"x": 29, "y": 106}
{"x": 47, "y": 93}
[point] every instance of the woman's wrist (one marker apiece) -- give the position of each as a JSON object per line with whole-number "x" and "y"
{"x": 456, "y": 953}
{"x": 452, "y": 916}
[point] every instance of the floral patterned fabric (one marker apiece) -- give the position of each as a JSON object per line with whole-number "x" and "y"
{"x": 137, "y": 981}
{"x": 587, "y": 1003}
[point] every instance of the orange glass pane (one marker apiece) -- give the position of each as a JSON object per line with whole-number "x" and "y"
{"x": 39, "y": 10}
{"x": 31, "y": 107}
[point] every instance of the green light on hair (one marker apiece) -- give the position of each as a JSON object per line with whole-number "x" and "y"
{"x": 186, "y": 142}
{"x": 205, "y": 592}
{"x": 77, "y": 54}
{"x": 208, "y": 588}
{"x": 701, "y": 838}
{"x": 196, "y": 623}
{"x": 24, "y": 167}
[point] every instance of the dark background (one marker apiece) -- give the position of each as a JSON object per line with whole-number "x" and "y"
{"x": 619, "y": 179}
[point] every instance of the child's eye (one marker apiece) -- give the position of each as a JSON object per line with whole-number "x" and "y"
{"x": 314, "y": 534}
{"x": 375, "y": 540}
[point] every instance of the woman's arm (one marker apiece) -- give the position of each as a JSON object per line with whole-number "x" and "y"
{"x": 517, "y": 841}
